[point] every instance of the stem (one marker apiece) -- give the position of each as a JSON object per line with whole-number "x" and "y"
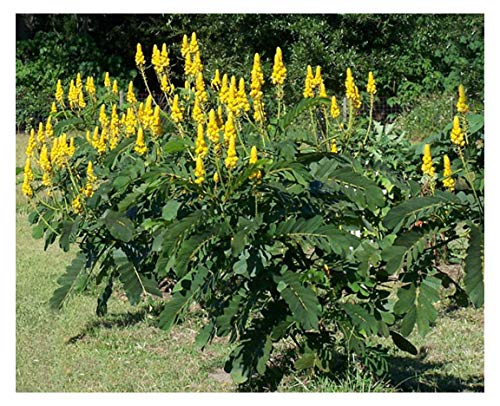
{"x": 45, "y": 221}
{"x": 469, "y": 181}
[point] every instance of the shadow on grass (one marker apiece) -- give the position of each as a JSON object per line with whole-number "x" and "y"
{"x": 119, "y": 320}
{"x": 415, "y": 375}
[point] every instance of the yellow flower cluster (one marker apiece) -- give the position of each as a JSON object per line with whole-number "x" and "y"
{"x": 462, "y": 106}
{"x": 60, "y": 152}
{"x": 312, "y": 82}
{"x": 457, "y": 136}
{"x": 91, "y": 178}
{"x": 371, "y": 87}
{"x": 352, "y": 92}
{"x": 160, "y": 60}
{"x": 427, "y": 167}
{"x": 59, "y": 93}
{"x": 107, "y": 80}
{"x": 333, "y": 147}
{"x": 114, "y": 89}
{"x": 199, "y": 171}
{"x": 28, "y": 178}
{"x": 90, "y": 87}
{"x": 76, "y": 205}
{"x": 201, "y": 148}
{"x": 114, "y": 129}
{"x": 191, "y": 53}
{"x": 215, "y": 83}
{"x": 279, "y": 70}
{"x": 448, "y": 181}
{"x": 257, "y": 80}
{"x": 140, "y": 146}
{"x": 256, "y": 174}
{"x": 212, "y": 127}
{"x": 130, "y": 93}
{"x": 334, "y": 108}
{"x": 231, "y": 158}
{"x": 30, "y": 148}
{"x": 139, "y": 57}
{"x": 176, "y": 114}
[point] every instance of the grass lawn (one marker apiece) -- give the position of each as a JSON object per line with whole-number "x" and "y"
{"x": 75, "y": 351}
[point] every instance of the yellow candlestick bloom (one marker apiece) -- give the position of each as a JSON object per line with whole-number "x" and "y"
{"x": 256, "y": 174}
{"x": 334, "y": 108}
{"x": 457, "y": 136}
{"x": 322, "y": 90}
{"x": 229, "y": 130}
{"x": 156, "y": 129}
{"x": 115, "y": 87}
{"x": 462, "y": 106}
{"x": 156, "y": 60}
{"x": 185, "y": 46}
{"x": 53, "y": 108}
{"x": 333, "y": 147}
{"x": 308, "y": 86}
{"x": 176, "y": 114}
{"x": 114, "y": 129}
{"x": 90, "y": 87}
{"x": 76, "y": 205}
{"x": 41, "y": 134}
{"x": 28, "y": 178}
{"x": 215, "y": 83}
{"x": 224, "y": 90}
{"x": 318, "y": 80}
{"x": 107, "y": 80}
{"x": 371, "y": 87}
{"x": 139, "y": 56}
{"x": 279, "y": 70}
{"x": 130, "y": 93}
{"x": 193, "y": 44}
{"x": 448, "y": 181}
{"x": 427, "y": 167}
{"x": 200, "y": 91}
{"x": 197, "y": 113}
{"x": 201, "y": 148}
{"x": 140, "y": 147}
{"x": 59, "y": 93}
{"x": 165, "y": 61}
{"x": 257, "y": 79}
{"x": 212, "y": 127}
{"x": 199, "y": 170}
{"x": 103, "y": 118}
{"x": 30, "y": 148}
{"x": 231, "y": 159}
{"x": 352, "y": 92}
{"x": 241, "y": 96}
{"x": 49, "y": 130}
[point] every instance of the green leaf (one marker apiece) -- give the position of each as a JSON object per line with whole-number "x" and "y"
{"x": 301, "y": 300}
{"x": 403, "y": 344}
{"x": 189, "y": 287}
{"x": 474, "y": 265}
{"x": 361, "y": 317}
{"x": 204, "y": 335}
{"x": 102, "y": 302}
{"x": 174, "y": 146}
{"x": 300, "y": 108}
{"x": 134, "y": 283}
{"x": 306, "y": 361}
{"x": 68, "y": 281}
{"x": 37, "y": 231}
{"x": 169, "y": 211}
{"x": 119, "y": 226}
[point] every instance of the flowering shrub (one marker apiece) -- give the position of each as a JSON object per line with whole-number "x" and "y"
{"x": 280, "y": 221}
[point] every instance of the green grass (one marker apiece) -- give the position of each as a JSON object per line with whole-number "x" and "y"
{"x": 75, "y": 351}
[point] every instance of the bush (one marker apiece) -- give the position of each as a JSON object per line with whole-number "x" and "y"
{"x": 293, "y": 225}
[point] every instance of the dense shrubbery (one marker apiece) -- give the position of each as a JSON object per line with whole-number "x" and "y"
{"x": 411, "y": 55}
{"x": 285, "y": 222}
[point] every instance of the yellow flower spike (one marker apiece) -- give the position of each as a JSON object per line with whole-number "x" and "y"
{"x": 53, "y": 108}
{"x": 253, "y": 156}
{"x": 232, "y": 158}
{"x": 224, "y": 90}
{"x": 333, "y": 148}
{"x": 54, "y": 152}
{"x": 352, "y": 92}
{"x": 130, "y": 122}
{"x": 308, "y": 85}
{"x": 88, "y": 137}
{"x": 114, "y": 89}
{"x": 371, "y": 87}
{"x": 279, "y": 70}
{"x": 156, "y": 60}
{"x": 30, "y": 148}
{"x": 49, "y": 130}
{"x": 164, "y": 59}
{"x": 176, "y": 114}
{"x": 188, "y": 65}
{"x": 107, "y": 80}
{"x": 131, "y": 94}
{"x": 317, "y": 80}
{"x": 334, "y": 108}
{"x": 197, "y": 113}
{"x": 229, "y": 131}
{"x": 156, "y": 129}
{"x": 103, "y": 118}
{"x": 114, "y": 129}
{"x": 27, "y": 179}
{"x": 199, "y": 170}
{"x": 95, "y": 138}
{"x": 147, "y": 114}
{"x": 322, "y": 90}
{"x": 201, "y": 93}
{"x": 215, "y": 83}
{"x": 427, "y": 167}
{"x": 164, "y": 86}
{"x": 47, "y": 179}
{"x": 41, "y": 134}
{"x": 241, "y": 96}
{"x": 78, "y": 82}
{"x": 185, "y": 46}
{"x": 456, "y": 135}
{"x": 197, "y": 65}
{"x": 462, "y": 106}
{"x": 220, "y": 118}
{"x": 102, "y": 143}
{"x": 90, "y": 87}
{"x": 139, "y": 57}
{"x": 76, "y": 205}
{"x": 193, "y": 44}
{"x": 201, "y": 148}
{"x": 44, "y": 159}
{"x": 28, "y": 173}
{"x": 448, "y": 181}
{"x": 81, "y": 101}
{"x": 257, "y": 79}
{"x": 232, "y": 100}
{"x": 71, "y": 148}
{"x": 259, "y": 115}
{"x": 91, "y": 178}
{"x": 73, "y": 95}
{"x": 216, "y": 177}
{"x": 212, "y": 127}
{"x": 59, "y": 93}
{"x": 140, "y": 147}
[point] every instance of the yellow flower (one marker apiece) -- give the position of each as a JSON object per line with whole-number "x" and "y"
{"x": 31, "y": 144}
{"x": 188, "y": 65}
{"x": 197, "y": 65}
{"x": 28, "y": 173}
{"x": 257, "y": 79}
{"x": 41, "y": 134}
{"x": 220, "y": 118}
{"x": 229, "y": 130}
{"x": 212, "y": 127}
{"x": 232, "y": 100}
{"x": 156, "y": 60}
{"x": 371, "y": 87}
{"x": 224, "y": 90}
{"x": 333, "y": 148}
{"x": 103, "y": 118}
{"x": 107, "y": 81}
{"x": 334, "y": 109}
{"x": 462, "y": 106}
{"x": 457, "y": 136}
{"x": 216, "y": 177}
{"x": 156, "y": 129}
{"x": 193, "y": 45}
{"x": 185, "y": 46}
{"x": 318, "y": 80}
{"x": 197, "y": 114}
{"x": 164, "y": 59}
{"x": 176, "y": 114}
{"x": 241, "y": 96}
{"x": 139, "y": 56}
{"x": 322, "y": 90}
{"x": 201, "y": 148}
{"x": 53, "y": 108}
{"x": 199, "y": 171}
{"x": 448, "y": 181}
{"x": 308, "y": 86}
{"x": 78, "y": 82}
{"x": 259, "y": 115}
{"x": 201, "y": 93}
{"x": 90, "y": 86}
{"x": 427, "y": 167}
{"x": 140, "y": 147}
{"x": 59, "y": 93}
{"x": 164, "y": 85}
{"x": 257, "y": 174}
{"x": 231, "y": 159}
{"x": 215, "y": 83}
{"x": 76, "y": 205}
{"x": 130, "y": 122}
{"x": 352, "y": 92}
{"x": 130, "y": 93}
{"x": 91, "y": 178}
{"x": 72, "y": 94}
{"x": 279, "y": 70}
{"x": 71, "y": 148}
{"x": 114, "y": 129}
{"x": 44, "y": 159}
{"x": 28, "y": 178}
{"x": 146, "y": 117}
{"x": 81, "y": 100}
{"x": 102, "y": 143}
{"x": 47, "y": 179}
{"x": 115, "y": 87}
